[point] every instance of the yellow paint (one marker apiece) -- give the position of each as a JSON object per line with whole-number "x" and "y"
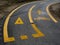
{"x": 41, "y": 18}
{"x": 39, "y": 33}
{"x": 39, "y": 12}
{"x": 47, "y": 9}
{"x": 5, "y": 30}
{"x": 19, "y": 21}
{"x": 29, "y": 14}
{"x": 24, "y": 37}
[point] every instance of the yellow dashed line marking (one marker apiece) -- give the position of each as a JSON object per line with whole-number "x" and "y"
{"x": 24, "y": 37}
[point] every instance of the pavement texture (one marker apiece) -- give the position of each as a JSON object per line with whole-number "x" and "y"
{"x": 48, "y": 28}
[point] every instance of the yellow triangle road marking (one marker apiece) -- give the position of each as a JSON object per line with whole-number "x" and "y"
{"x": 19, "y": 21}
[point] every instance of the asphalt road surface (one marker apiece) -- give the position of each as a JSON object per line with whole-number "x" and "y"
{"x": 31, "y": 24}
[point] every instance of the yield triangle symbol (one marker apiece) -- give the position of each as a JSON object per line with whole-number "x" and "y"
{"x": 19, "y": 21}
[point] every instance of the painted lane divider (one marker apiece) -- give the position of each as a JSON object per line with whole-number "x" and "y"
{"x": 50, "y": 15}
{"x": 38, "y": 32}
{"x": 24, "y": 37}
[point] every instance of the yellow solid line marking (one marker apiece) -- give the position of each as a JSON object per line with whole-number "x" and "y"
{"x": 47, "y": 9}
{"x": 39, "y": 33}
{"x": 29, "y": 14}
{"x": 24, "y": 37}
{"x": 5, "y": 30}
